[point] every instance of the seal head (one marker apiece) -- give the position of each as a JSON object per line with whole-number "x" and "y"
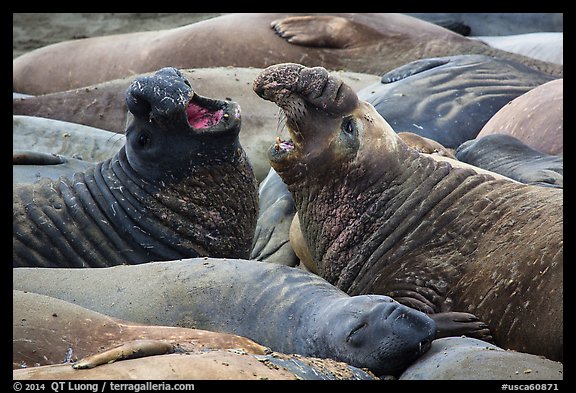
{"x": 331, "y": 132}
{"x": 168, "y": 116}
{"x": 315, "y": 103}
{"x": 375, "y": 332}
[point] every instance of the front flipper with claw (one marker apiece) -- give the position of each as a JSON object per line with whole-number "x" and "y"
{"x": 452, "y": 323}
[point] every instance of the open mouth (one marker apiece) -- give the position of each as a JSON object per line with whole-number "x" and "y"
{"x": 283, "y": 145}
{"x": 288, "y": 144}
{"x": 215, "y": 115}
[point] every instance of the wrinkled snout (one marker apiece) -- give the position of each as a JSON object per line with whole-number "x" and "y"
{"x": 162, "y": 95}
{"x": 281, "y": 82}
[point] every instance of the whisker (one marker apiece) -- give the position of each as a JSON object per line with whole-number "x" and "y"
{"x": 281, "y": 124}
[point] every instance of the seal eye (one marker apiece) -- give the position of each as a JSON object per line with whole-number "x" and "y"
{"x": 349, "y": 126}
{"x": 143, "y": 139}
{"x": 353, "y": 337}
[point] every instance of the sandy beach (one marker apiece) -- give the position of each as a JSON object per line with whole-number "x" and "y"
{"x": 34, "y": 30}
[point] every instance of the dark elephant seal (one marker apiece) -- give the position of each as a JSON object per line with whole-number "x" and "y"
{"x": 47, "y": 330}
{"x": 464, "y": 358}
{"x": 380, "y": 217}
{"x": 536, "y": 118}
{"x": 286, "y": 309}
{"x": 180, "y": 187}
{"x": 512, "y": 158}
{"x": 102, "y": 106}
{"x": 449, "y": 99}
{"x": 368, "y": 43}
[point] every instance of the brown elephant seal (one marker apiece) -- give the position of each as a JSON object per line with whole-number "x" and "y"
{"x": 212, "y": 364}
{"x": 300, "y": 247}
{"x": 536, "y": 118}
{"x": 283, "y": 308}
{"x": 368, "y": 43}
{"x": 380, "y": 217}
{"x": 181, "y": 186}
{"x": 47, "y": 330}
{"x": 102, "y": 106}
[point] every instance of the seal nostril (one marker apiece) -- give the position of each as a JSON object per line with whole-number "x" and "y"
{"x": 137, "y": 104}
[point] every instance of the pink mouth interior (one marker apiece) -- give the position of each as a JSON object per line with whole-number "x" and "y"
{"x": 199, "y": 117}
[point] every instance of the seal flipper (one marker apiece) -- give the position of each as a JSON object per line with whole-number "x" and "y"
{"x": 413, "y": 68}
{"x": 323, "y": 31}
{"x": 32, "y": 157}
{"x": 130, "y": 350}
{"x": 448, "y": 323}
{"x": 452, "y": 323}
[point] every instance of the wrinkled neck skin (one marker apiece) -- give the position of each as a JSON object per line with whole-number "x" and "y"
{"x": 354, "y": 220}
{"x": 212, "y": 204}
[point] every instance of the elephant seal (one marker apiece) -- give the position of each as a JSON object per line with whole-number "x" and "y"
{"x": 367, "y": 43}
{"x": 29, "y": 166}
{"x": 449, "y": 99}
{"x": 181, "y": 186}
{"x": 512, "y": 158}
{"x": 536, "y": 118}
{"x": 47, "y": 330}
{"x": 283, "y": 308}
{"x": 379, "y": 217}
{"x": 52, "y": 148}
{"x": 464, "y": 358}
